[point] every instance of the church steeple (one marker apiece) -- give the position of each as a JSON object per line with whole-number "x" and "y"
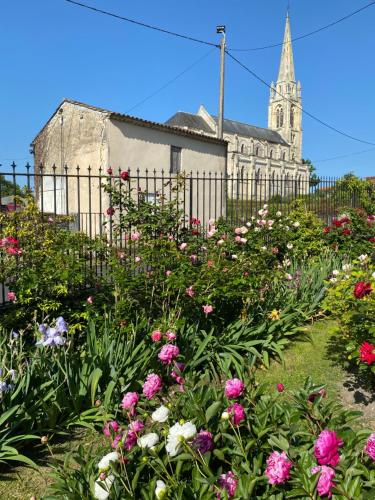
{"x": 285, "y": 107}
{"x": 286, "y": 71}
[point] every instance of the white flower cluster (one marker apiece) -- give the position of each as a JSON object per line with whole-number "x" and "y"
{"x": 178, "y": 433}
{"x": 102, "y": 487}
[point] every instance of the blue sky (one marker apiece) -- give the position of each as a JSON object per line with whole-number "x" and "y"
{"x": 51, "y": 49}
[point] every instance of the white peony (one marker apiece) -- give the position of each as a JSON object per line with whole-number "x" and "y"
{"x": 278, "y": 214}
{"x": 346, "y": 267}
{"x": 243, "y": 241}
{"x": 335, "y": 272}
{"x": 234, "y": 257}
{"x": 107, "y": 459}
{"x": 160, "y": 490}
{"x": 100, "y": 492}
{"x": 244, "y": 230}
{"x": 148, "y": 440}
{"x": 161, "y": 414}
{"x": 176, "y": 434}
{"x": 363, "y": 257}
{"x": 225, "y": 415}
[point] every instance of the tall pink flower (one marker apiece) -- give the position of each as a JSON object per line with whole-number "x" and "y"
{"x": 327, "y": 448}
{"x": 229, "y": 483}
{"x": 237, "y": 413}
{"x": 370, "y": 447}
{"x": 234, "y": 388}
{"x": 110, "y": 426}
{"x": 325, "y": 483}
{"x": 190, "y": 292}
{"x": 207, "y": 309}
{"x": 129, "y": 402}
{"x": 168, "y": 353}
{"x": 152, "y": 385}
{"x": 278, "y": 467}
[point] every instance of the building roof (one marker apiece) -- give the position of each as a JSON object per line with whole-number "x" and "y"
{"x": 182, "y": 119}
{"x": 138, "y": 121}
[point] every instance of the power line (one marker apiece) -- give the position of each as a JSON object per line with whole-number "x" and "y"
{"x": 170, "y": 81}
{"x": 327, "y": 26}
{"x": 139, "y": 23}
{"x": 344, "y": 156}
{"x": 325, "y": 124}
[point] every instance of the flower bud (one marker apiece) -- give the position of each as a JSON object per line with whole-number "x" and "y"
{"x": 103, "y": 476}
{"x": 98, "y": 403}
{"x": 225, "y": 415}
{"x": 44, "y": 439}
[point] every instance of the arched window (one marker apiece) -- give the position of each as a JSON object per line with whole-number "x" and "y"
{"x": 242, "y": 148}
{"x": 292, "y": 116}
{"x": 257, "y": 151}
{"x": 284, "y": 155}
{"x": 271, "y": 153}
{"x": 279, "y": 117}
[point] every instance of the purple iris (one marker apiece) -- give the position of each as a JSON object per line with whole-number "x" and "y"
{"x": 53, "y": 336}
{"x": 61, "y": 325}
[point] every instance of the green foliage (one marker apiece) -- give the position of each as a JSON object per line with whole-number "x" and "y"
{"x": 350, "y": 190}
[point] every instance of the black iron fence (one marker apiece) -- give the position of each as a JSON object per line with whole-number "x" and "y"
{"x": 79, "y": 193}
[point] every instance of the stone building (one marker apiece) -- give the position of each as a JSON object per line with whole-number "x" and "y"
{"x": 255, "y": 152}
{"x": 80, "y": 141}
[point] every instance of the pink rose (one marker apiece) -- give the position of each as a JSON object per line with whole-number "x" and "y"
{"x": 135, "y": 236}
{"x": 237, "y": 413}
{"x": 278, "y": 467}
{"x": 238, "y": 230}
{"x": 124, "y": 175}
{"x": 193, "y": 258}
{"x": 110, "y": 426}
{"x": 171, "y": 336}
{"x": 109, "y": 171}
{"x": 234, "y": 388}
{"x": 325, "y": 483}
{"x": 152, "y": 385}
{"x": 168, "y": 273}
{"x": 183, "y": 246}
{"x": 207, "y": 309}
{"x": 168, "y": 353}
{"x": 228, "y": 482}
{"x": 110, "y": 211}
{"x": 129, "y": 402}
{"x": 90, "y": 300}
{"x": 12, "y": 296}
{"x": 137, "y": 259}
{"x": 280, "y": 387}
{"x": 190, "y": 292}
{"x": 237, "y": 239}
{"x": 327, "y": 447}
{"x": 156, "y": 335}
{"x": 370, "y": 447}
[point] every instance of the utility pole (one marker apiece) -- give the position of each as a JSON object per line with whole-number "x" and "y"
{"x": 221, "y": 29}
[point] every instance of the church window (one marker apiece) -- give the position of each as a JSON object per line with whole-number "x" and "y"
{"x": 257, "y": 151}
{"x": 242, "y": 148}
{"x": 279, "y": 117}
{"x": 292, "y": 116}
{"x": 271, "y": 153}
{"x": 284, "y": 155}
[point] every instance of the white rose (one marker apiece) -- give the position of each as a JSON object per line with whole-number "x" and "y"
{"x": 264, "y": 249}
{"x": 234, "y": 257}
{"x": 160, "y": 490}
{"x": 289, "y": 246}
{"x": 362, "y": 257}
{"x": 243, "y": 241}
{"x": 248, "y": 224}
{"x": 107, "y": 459}
{"x": 296, "y": 224}
{"x": 335, "y": 272}
{"x": 100, "y": 492}
{"x": 287, "y": 228}
{"x": 220, "y": 242}
{"x": 244, "y": 230}
{"x": 333, "y": 280}
{"x": 278, "y": 214}
{"x": 148, "y": 440}
{"x": 346, "y": 267}
{"x": 161, "y": 414}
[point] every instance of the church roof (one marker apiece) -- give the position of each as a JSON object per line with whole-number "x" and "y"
{"x": 182, "y": 119}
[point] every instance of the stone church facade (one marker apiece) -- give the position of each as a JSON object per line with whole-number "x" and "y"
{"x": 258, "y": 153}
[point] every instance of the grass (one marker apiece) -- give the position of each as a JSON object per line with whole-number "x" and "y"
{"x": 309, "y": 358}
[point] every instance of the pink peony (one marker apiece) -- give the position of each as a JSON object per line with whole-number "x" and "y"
{"x": 152, "y": 385}
{"x": 370, "y": 447}
{"x": 156, "y": 335}
{"x": 238, "y": 231}
{"x": 327, "y": 447}
{"x": 171, "y": 336}
{"x": 177, "y": 371}
{"x": 190, "y": 292}
{"x": 234, "y": 388}
{"x": 207, "y": 309}
{"x": 278, "y": 467}
{"x": 110, "y": 426}
{"x": 116, "y": 441}
{"x": 229, "y": 483}
{"x": 130, "y": 440}
{"x": 168, "y": 353}
{"x": 135, "y": 236}
{"x": 129, "y": 402}
{"x": 203, "y": 442}
{"x": 280, "y": 387}
{"x": 183, "y": 246}
{"x": 237, "y": 239}
{"x": 12, "y": 296}
{"x": 325, "y": 483}
{"x": 237, "y": 413}
{"x": 136, "y": 426}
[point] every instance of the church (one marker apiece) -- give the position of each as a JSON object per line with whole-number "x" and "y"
{"x": 255, "y": 152}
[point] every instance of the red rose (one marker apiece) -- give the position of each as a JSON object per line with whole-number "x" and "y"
{"x": 326, "y": 230}
{"x": 361, "y": 289}
{"x": 124, "y": 175}
{"x": 367, "y": 353}
{"x": 336, "y": 222}
{"x": 372, "y": 240}
{"x": 110, "y": 211}
{"x": 346, "y": 232}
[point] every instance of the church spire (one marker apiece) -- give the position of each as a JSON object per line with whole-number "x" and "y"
{"x": 286, "y": 71}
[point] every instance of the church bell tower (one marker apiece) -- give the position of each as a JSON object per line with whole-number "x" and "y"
{"x": 285, "y": 107}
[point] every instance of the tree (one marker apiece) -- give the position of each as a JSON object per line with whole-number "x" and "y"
{"x": 314, "y": 179}
{"x": 8, "y": 188}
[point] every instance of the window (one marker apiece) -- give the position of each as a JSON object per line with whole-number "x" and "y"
{"x": 257, "y": 151}
{"x": 175, "y": 166}
{"x": 292, "y": 116}
{"x": 271, "y": 153}
{"x": 242, "y": 148}
{"x": 284, "y": 155}
{"x": 279, "y": 117}
{"x": 151, "y": 198}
